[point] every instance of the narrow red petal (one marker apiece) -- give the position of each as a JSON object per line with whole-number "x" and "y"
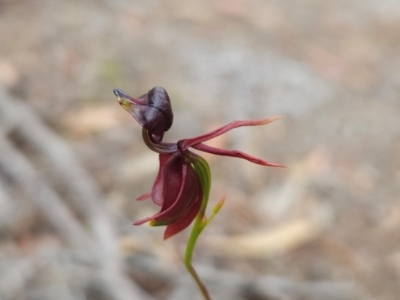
{"x": 235, "y": 153}
{"x": 182, "y": 208}
{"x": 143, "y": 197}
{"x": 186, "y": 143}
{"x": 142, "y": 221}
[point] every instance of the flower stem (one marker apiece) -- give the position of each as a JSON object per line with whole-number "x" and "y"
{"x": 203, "y": 170}
{"x": 196, "y": 230}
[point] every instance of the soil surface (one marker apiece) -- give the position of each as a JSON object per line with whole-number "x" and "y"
{"x": 326, "y": 227}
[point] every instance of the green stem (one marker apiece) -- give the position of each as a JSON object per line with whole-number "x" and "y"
{"x": 203, "y": 170}
{"x": 196, "y": 230}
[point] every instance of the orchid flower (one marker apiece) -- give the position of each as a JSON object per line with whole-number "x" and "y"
{"x": 183, "y": 181}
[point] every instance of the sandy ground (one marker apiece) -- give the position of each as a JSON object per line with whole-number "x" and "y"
{"x": 327, "y": 227}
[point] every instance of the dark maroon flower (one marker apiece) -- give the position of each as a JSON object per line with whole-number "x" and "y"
{"x": 178, "y": 191}
{"x": 183, "y": 177}
{"x": 152, "y": 110}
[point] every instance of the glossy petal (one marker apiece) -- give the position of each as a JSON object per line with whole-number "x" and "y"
{"x": 172, "y": 174}
{"x": 189, "y": 194}
{"x": 158, "y": 116}
{"x": 174, "y": 177}
{"x": 156, "y": 193}
{"x": 152, "y": 110}
{"x": 183, "y": 222}
{"x": 181, "y": 188}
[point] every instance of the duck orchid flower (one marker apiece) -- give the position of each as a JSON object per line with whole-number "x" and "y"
{"x": 183, "y": 180}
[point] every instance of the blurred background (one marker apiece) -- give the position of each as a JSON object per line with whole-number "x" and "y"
{"x": 72, "y": 161}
